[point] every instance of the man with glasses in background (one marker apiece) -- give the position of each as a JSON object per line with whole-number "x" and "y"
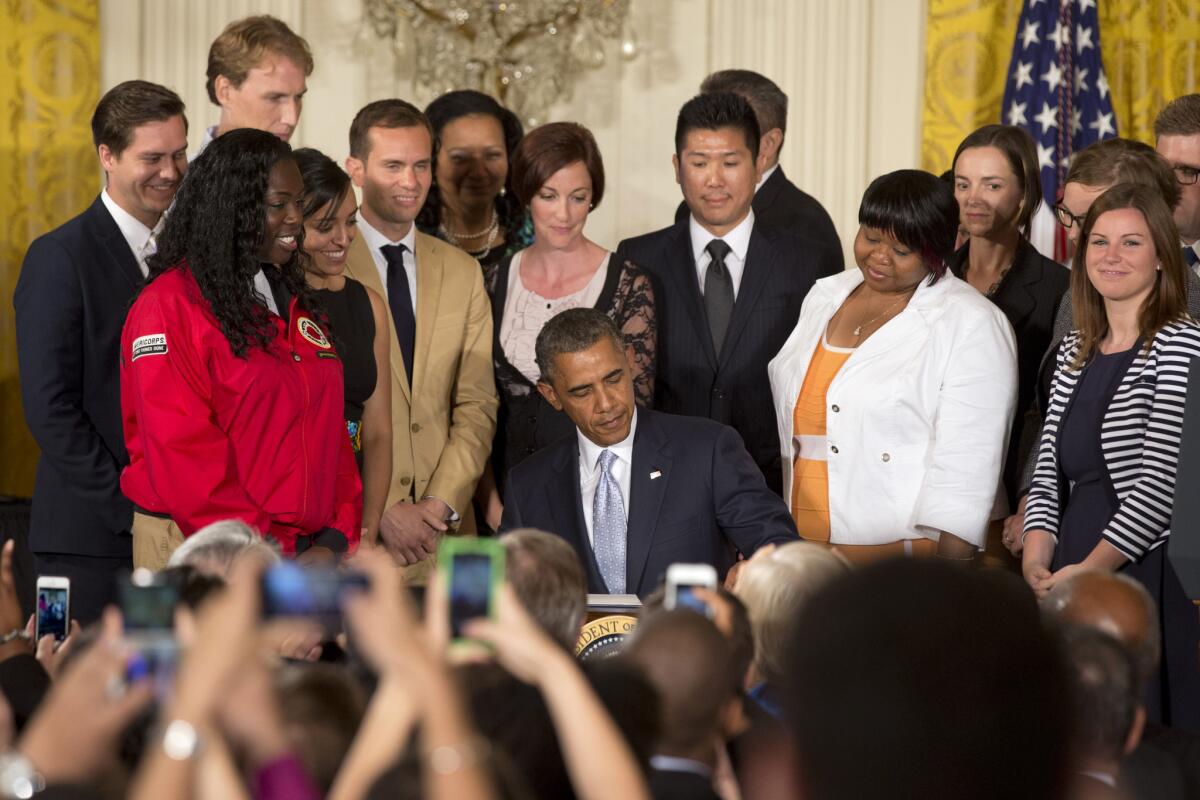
{"x": 1177, "y": 137}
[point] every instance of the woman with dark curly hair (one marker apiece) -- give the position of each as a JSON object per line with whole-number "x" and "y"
{"x": 231, "y": 410}
{"x": 358, "y": 322}
{"x": 471, "y": 203}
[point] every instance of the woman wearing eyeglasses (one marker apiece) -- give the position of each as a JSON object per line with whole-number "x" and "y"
{"x": 998, "y": 188}
{"x": 1093, "y": 171}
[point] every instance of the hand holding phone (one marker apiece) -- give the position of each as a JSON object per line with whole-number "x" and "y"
{"x": 472, "y": 570}
{"x": 53, "y": 608}
{"x": 682, "y": 579}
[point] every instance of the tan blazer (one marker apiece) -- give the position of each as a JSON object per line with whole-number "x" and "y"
{"x": 442, "y": 428}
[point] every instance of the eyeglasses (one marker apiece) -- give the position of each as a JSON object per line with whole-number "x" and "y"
{"x": 1065, "y": 216}
{"x": 1186, "y": 175}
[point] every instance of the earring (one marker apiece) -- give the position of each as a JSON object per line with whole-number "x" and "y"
{"x": 503, "y": 191}
{"x": 1158, "y": 266}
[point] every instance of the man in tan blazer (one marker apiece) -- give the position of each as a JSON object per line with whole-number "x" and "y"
{"x": 443, "y": 393}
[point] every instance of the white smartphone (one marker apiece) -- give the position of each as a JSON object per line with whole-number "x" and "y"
{"x": 53, "y": 607}
{"x": 682, "y": 579}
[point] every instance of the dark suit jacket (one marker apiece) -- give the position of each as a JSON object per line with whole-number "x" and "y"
{"x": 730, "y": 387}
{"x": 1029, "y": 296}
{"x": 779, "y": 203}
{"x": 76, "y": 285}
{"x": 707, "y": 501}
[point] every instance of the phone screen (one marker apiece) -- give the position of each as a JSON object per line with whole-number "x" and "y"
{"x": 685, "y": 597}
{"x": 148, "y": 608}
{"x": 290, "y": 590}
{"x": 52, "y": 612}
{"x": 470, "y": 589}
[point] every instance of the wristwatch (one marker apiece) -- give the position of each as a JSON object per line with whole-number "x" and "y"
{"x": 18, "y": 779}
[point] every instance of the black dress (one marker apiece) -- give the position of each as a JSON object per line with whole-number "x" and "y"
{"x": 352, "y": 328}
{"x": 1091, "y": 503}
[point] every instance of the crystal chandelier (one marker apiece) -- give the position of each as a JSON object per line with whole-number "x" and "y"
{"x": 525, "y": 53}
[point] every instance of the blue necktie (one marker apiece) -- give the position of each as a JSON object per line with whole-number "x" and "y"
{"x": 608, "y": 526}
{"x": 400, "y": 301}
{"x": 1190, "y": 258}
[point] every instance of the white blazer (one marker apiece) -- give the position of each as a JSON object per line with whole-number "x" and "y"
{"x": 917, "y": 419}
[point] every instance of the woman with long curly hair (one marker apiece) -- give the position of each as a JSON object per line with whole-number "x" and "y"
{"x": 232, "y": 410}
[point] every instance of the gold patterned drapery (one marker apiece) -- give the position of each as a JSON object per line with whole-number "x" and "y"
{"x": 49, "y": 85}
{"x": 1150, "y": 48}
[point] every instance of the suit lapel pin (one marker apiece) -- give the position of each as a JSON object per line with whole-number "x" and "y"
{"x": 655, "y": 475}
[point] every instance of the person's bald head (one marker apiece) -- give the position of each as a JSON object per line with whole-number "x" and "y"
{"x": 1115, "y": 604}
{"x": 690, "y": 664}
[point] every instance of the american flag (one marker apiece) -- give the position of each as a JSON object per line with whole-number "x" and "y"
{"x": 1057, "y": 91}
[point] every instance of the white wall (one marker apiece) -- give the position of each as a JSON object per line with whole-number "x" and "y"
{"x": 851, "y": 68}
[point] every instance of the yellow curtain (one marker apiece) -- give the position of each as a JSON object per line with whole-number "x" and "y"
{"x": 49, "y": 85}
{"x": 1150, "y": 48}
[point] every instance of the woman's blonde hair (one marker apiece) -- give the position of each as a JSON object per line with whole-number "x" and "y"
{"x": 1167, "y": 300}
{"x": 774, "y": 588}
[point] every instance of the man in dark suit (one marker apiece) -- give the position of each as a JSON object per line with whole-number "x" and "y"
{"x": 727, "y": 290}
{"x": 634, "y": 491}
{"x": 778, "y": 203}
{"x": 76, "y": 284}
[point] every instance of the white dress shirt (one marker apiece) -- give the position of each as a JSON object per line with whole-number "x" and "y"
{"x": 376, "y": 240}
{"x": 738, "y": 240}
{"x": 589, "y": 471}
{"x": 141, "y": 240}
{"x": 209, "y": 134}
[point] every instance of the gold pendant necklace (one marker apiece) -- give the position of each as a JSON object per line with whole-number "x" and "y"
{"x": 859, "y": 329}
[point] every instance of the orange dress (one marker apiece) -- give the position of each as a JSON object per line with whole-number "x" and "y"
{"x": 810, "y": 472}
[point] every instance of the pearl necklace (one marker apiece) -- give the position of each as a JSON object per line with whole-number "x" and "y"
{"x": 457, "y": 239}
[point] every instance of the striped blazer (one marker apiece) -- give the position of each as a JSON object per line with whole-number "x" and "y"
{"x": 1139, "y": 439}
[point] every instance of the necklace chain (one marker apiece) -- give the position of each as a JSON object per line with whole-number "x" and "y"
{"x": 858, "y": 331}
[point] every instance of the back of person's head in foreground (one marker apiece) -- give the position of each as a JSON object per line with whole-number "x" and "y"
{"x": 774, "y": 585}
{"x": 917, "y": 679}
{"x": 689, "y": 663}
{"x": 1107, "y": 698}
{"x": 549, "y": 581}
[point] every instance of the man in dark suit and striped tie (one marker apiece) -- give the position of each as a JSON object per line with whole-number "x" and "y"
{"x": 727, "y": 290}
{"x": 1177, "y": 135}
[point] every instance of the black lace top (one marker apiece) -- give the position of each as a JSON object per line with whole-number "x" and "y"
{"x": 526, "y": 422}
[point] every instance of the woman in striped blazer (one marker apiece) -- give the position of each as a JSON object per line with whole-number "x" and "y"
{"x": 1104, "y": 485}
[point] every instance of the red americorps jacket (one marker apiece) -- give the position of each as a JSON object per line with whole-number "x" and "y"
{"x": 212, "y": 436}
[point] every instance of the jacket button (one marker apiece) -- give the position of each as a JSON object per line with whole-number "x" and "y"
{"x": 296, "y": 356}
{"x": 835, "y": 408}
{"x": 405, "y": 481}
{"x": 833, "y": 449}
{"x": 416, "y": 427}
{"x": 886, "y": 457}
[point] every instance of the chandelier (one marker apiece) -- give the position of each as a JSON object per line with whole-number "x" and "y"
{"x": 525, "y": 53}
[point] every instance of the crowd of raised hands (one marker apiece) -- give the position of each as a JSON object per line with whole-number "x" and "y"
{"x": 218, "y": 730}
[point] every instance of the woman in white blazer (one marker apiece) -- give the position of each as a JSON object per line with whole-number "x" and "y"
{"x": 895, "y": 392}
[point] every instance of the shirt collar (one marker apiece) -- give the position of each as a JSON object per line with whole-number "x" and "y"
{"x": 134, "y": 231}
{"x": 589, "y": 451}
{"x": 764, "y": 177}
{"x": 738, "y": 239}
{"x": 376, "y": 240}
